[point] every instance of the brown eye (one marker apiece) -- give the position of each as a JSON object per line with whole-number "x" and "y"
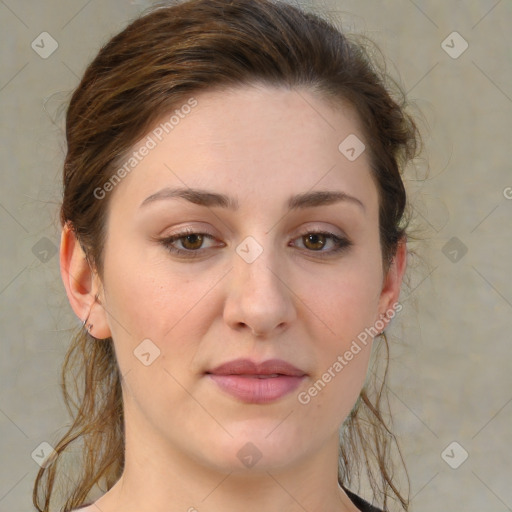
{"x": 192, "y": 242}
{"x": 315, "y": 241}
{"x": 325, "y": 244}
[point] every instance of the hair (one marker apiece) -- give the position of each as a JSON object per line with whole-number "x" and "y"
{"x": 152, "y": 67}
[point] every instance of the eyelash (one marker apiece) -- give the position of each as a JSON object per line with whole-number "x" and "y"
{"x": 342, "y": 244}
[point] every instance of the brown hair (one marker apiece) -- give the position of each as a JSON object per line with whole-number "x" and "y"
{"x": 150, "y": 68}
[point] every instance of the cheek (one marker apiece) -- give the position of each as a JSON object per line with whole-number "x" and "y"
{"x": 343, "y": 309}
{"x": 343, "y": 350}
{"x": 345, "y": 302}
{"x": 333, "y": 392}
{"x": 149, "y": 299}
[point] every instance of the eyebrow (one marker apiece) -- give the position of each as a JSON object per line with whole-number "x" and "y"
{"x": 213, "y": 199}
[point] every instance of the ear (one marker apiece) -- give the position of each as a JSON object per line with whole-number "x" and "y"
{"x": 83, "y": 285}
{"x": 392, "y": 282}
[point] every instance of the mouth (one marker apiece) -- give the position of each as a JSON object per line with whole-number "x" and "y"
{"x": 265, "y": 369}
{"x": 256, "y": 383}
{"x": 271, "y": 376}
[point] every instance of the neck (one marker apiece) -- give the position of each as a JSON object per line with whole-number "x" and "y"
{"x": 158, "y": 477}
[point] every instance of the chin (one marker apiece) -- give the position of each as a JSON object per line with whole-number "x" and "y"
{"x": 255, "y": 447}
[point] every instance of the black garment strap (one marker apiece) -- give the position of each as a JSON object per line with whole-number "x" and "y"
{"x": 361, "y": 504}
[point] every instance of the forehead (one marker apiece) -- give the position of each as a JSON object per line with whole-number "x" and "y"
{"x": 255, "y": 120}
{"x": 252, "y": 141}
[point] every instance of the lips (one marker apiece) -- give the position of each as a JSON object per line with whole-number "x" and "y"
{"x": 267, "y": 369}
{"x": 257, "y": 383}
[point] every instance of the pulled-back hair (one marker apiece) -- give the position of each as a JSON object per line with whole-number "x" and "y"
{"x": 153, "y": 67}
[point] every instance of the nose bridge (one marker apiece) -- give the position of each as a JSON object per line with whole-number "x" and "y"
{"x": 259, "y": 298}
{"x": 257, "y": 266}
{"x": 262, "y": 271}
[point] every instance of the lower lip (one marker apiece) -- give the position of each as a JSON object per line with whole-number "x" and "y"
{"x": 254, "y": 390}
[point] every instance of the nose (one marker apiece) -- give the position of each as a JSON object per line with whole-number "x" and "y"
{"x": 260, "y": 298}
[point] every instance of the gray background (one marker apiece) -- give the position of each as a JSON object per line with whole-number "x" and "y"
{"x": 450, "y": 371}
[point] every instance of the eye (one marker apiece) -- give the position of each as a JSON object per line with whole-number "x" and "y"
{"x": 191, "y": 241}
{"x": 316, "y": 241}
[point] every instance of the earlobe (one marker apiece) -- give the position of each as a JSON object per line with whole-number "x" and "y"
{"x": 393, "y": 282}
{"x": 82, "y": 284}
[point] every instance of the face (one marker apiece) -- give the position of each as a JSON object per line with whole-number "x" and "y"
{"x": 273, "y": 271}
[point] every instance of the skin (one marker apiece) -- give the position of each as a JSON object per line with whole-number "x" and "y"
{"x": 260, "y": 145}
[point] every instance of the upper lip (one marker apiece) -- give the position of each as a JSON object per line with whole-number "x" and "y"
{"x": 249, "y": 367}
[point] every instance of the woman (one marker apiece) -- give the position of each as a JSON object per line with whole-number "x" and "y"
{"x": 233, "y": 241}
